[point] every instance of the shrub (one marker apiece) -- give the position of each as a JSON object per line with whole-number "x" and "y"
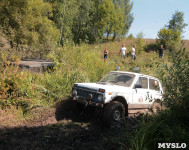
{"x": 15, "y": 86}
{"x": 140, "y": 42}
{"x": 169, "y": 38}
{"x": 130, "y": 36}
{"x": 176, "y": 80}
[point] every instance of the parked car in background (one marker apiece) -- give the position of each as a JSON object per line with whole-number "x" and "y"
{"x": 35, "y": 65}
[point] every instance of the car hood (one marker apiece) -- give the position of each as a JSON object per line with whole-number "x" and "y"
{"x": 108, "y": 88}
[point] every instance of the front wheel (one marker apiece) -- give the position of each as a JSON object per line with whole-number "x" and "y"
{"x": 113, "y": 113}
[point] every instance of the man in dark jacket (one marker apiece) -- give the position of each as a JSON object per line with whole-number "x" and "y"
{"x": 161, "y": 52}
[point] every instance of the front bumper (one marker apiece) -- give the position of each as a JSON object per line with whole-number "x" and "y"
{"x": 87, "y": 102}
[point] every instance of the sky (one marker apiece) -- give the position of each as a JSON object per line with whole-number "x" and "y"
{"x": 152, "y": 15}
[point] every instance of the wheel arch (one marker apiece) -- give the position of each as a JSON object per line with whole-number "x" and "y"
{"x": 122, "y": 100}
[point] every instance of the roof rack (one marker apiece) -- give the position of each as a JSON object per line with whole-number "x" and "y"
{"x": 136, "y": 69}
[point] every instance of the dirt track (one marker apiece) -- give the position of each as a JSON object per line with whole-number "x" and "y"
{"x": 62, "y": 127}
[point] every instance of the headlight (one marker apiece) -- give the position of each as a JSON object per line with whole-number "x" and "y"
{"x": 74, "y": 92}
{"x": 99, "y": 98}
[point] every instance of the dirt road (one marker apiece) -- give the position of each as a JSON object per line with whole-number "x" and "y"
{"x": 61, "y": 127}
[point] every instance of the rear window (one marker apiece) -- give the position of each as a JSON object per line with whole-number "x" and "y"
{"x": 154, "y": 84}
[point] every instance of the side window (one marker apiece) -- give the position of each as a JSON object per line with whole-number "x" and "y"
{"x": 143, "y": 81}
{"x": 154, "y": 85}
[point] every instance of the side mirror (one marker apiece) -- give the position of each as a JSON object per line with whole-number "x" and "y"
{"x": 138, "y": 86}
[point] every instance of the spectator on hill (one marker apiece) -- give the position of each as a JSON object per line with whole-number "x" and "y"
{"x": 161, "y": 52}
{"x": 123, "y": 51}
{"x": 133, "y": 54}
{"x": 105, "y": 54}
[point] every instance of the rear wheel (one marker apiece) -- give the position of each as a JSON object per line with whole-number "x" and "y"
{"x": 156, "y": 107}
{"x": 113, "y": 113}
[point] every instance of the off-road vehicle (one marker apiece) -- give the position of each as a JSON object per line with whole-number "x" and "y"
{"x": 120, "y": 93}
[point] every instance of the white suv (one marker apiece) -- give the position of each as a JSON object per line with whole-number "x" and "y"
{"x": 120, "y": 93}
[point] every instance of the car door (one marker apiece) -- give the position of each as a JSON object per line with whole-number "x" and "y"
{"x": 141, "y": 91}
{"x": 154, "y": 89}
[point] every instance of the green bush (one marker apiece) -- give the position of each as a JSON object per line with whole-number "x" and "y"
{"x": 15, "y": 86}
{"x": 140, "y": 42}
{"x": 171, "y": 125}
{"x": 170, "y": 38}
{"x": 176, "y": 80}
{"x": 130, "y": 36}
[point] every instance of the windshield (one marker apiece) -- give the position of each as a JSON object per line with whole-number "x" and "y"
{"x": 121, "y": 79}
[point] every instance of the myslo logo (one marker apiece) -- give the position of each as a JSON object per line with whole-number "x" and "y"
{"x": 171, "y": 145}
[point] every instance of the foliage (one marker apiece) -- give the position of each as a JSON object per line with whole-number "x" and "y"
{"x": 128, "y": 16}
{"x": 163, "y": 128}
{"x": 34, "y": 31}
{"x": 83, "y": 59}
{"x": 169, "y": 38}
{"x": 126, "y": 7}
{"x": 140, "y": 42}
{"x": 73, "y": 64}
{"x": 27, "y": 26}
{"x": 64, "y": 16}
{"x": 15, "y": 87}
{"x": 177, "y": 22}
{"x": 170, "y": 35}
{"x": 130, "y": 36}
{"x": 176, "y": 81}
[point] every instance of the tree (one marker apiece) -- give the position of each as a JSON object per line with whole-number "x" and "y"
{"x": 177, "y": 22}
{"x": 82, "y": 25}
{"x": 140, "y": 42}
{"x": 126, "y": 7}
{"x": 64, "y": 13}
{"x": 169, "y": 38}
{"x": 130, "y": 36}
{"x": 115, "y": 22}
{"x": 170, "y": 35}
{"x": 27, "y": 26}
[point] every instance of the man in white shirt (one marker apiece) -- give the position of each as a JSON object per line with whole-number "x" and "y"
{"x": 133, "y": 52}
{"x": 123, "y": 51}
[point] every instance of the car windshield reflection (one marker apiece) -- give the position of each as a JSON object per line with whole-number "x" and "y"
{"x": 121, "y": 79}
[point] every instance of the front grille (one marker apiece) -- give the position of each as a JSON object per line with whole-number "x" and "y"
{"x": 85, "y": 92}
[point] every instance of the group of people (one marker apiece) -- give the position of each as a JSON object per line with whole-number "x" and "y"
{"x": 123, "y": 52}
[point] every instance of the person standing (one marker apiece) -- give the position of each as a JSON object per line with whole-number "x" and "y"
{"x": 123, "y": 51}
{"x": 105, "y": 54}
{"x": 133, "y": 54}
{"x": 161, "y": 52}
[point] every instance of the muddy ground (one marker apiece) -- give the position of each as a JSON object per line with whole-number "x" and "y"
{"x": 62, "y": 127}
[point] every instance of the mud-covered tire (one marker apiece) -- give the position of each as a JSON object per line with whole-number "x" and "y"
{"x": 156, "y": 107}
{"x": 113, "y": 113}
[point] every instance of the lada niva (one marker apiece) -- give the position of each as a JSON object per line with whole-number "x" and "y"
{"x": 120, "y": 93}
